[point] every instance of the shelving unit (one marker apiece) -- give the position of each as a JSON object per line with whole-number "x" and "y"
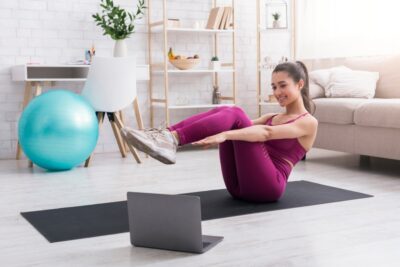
{"x": 273, "y": 106}
{"x": 165, "y": 69}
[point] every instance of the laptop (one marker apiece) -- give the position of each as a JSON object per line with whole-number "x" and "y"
{"x": 171, "y": 222}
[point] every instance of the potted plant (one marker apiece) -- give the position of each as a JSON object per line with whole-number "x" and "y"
{"x": 215, "y": 63}
{"x": 276, "y": 22}
{"x": 118, "y": 23}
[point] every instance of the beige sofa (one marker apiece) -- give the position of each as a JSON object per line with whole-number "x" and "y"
{"x": 359, "y": 125}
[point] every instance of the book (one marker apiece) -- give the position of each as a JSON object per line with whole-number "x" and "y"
{"x": 229, "y": 17}
{"x": 226, "y": 18}
{"x": 223, "y": 19}
{"x": 214, "y": 18}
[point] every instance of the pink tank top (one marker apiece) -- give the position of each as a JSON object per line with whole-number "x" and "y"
{"x": 288, "y": 148}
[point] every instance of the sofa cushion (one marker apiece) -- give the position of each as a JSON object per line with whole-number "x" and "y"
{"x": 389, "y": 74}
{"x": 337, "y": 110}
{"x": 379, "y": 112}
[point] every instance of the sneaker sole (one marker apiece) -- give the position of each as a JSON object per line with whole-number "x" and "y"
{"x": 140, "y": 146}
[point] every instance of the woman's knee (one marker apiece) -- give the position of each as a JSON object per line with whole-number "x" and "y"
{"x": 221, "y": 108}
{"x": 237, "y": 109}
{"x": 240, "y": 116}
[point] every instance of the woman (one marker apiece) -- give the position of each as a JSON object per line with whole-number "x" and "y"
{"x": 256, "y": 156}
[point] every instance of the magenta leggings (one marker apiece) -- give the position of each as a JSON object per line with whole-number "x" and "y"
{"x": 249, "y": 172}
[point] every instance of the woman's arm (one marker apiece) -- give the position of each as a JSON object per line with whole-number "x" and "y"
{"x": 256, "y": 133}
{"x": 262, "y": 133}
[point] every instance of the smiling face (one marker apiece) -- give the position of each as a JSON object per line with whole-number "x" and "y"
{"x": 285, "y": 89}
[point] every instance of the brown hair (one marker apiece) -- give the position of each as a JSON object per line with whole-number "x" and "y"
{"x": 297, "y": 70}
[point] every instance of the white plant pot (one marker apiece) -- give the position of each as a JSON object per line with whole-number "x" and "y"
{"x": 276, "y": 24}
{"x": 120, "y": 48}
{"x": 215, "y": 65}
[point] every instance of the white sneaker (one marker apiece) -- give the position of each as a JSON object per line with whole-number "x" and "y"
{"x": 159, "y": 144}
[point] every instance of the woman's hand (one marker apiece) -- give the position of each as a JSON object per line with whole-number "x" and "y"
{"x": 211, "y": 140}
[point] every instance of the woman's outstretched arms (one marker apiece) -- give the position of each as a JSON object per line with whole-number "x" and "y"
{"x": 255, "y": 133}
{"x": 262, "y": 133}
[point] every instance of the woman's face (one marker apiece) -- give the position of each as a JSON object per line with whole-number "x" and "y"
{"x": 284, "y": 88}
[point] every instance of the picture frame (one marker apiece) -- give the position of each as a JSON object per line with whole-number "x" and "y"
{"x": 276, "y": 15}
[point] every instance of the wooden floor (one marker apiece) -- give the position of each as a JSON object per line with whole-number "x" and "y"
{"x": 363, "y": 232}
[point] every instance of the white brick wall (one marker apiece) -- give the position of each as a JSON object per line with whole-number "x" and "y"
{"x": 58, "y": 31}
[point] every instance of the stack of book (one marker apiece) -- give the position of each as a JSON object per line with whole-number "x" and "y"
{"x": 220, "y": 18}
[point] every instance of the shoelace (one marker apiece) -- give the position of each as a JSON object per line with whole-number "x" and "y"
{"x": 155, "y": 133}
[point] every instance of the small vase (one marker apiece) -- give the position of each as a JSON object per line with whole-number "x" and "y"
{"x": 276, "y": 24}
{"x": 120, "y": 48}
{"x": 215, "y": 65}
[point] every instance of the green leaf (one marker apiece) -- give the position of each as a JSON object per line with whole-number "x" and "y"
{"x": 116, "y": 21}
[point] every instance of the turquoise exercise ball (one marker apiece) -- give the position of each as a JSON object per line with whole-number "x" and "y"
{"x": 58, "y": 130}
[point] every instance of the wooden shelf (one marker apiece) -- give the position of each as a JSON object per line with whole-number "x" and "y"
{"x": 264, "y": 103}
{"x": 199, "y": 30}
{"x": 273, "y": 30}
{"x": 195, "y": 71}
{"x": 188, "y": 30}
{"x": 265, "y": 70}
{"x": 198, "y": 106}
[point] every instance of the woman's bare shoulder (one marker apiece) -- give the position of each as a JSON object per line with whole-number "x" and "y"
{"x": 264, "y": 118}
{"x": 311, "y": 119}
{"x": 269, "y": 115}
{"x": 311, "y": 122}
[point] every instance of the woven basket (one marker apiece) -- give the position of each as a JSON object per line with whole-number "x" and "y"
{"x": 184, "y": 64}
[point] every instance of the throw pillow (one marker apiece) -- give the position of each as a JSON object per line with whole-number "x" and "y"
{"x": 322, "y": 76}
{"x": 354, "y": 83}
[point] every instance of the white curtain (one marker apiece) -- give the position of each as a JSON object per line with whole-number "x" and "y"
{"x": 340, "y": 28}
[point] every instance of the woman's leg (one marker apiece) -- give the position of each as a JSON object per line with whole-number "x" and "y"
{"x": 228, "y": 168}
{"x": 195, "y": 118}
{"x": 161, "y": 144}
{"x": 258, "y": 178}
{"x": 249, "y": 172}
{"x": 211, "y": 123}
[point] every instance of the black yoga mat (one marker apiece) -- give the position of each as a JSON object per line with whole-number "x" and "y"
{"x": 112, "y": 218}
